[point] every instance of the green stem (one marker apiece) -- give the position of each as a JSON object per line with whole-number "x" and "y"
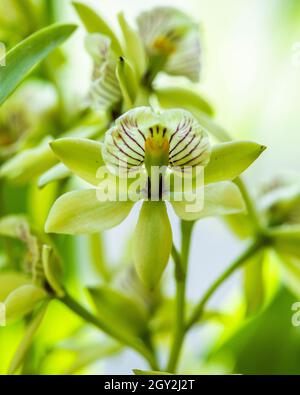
{"x": 82, "y": 312}
{"x": 252, "y": 211}
{"x": 250, "y": 251}
{"x": 181, "y": 263}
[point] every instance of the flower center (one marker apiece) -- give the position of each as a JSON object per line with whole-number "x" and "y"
{"x": 156, "y": 148}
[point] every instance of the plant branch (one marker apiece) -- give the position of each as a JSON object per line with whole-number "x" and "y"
{"x": 252, "y": 211}
{"x": 181, "y": 263}
{"x": 199, "y": 309}
{"x": 82, "y": 312}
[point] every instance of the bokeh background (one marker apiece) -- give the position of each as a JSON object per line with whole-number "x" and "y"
{"x": 251, "y": 75}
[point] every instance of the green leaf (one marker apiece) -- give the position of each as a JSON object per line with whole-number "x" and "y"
{"x": 80, "y": 212}
{"x": 128, "y": 82}
{"x": 133, "y": 46}
{"x": 86, "y": 355}
{"x": 27, "y": 339}
{"x": 221, "y": 198}
{"x": 22, "y": 301}
{"x": 94, "y": 23}
{"x": 9, "y": 281}
{"x": 171, "y": 97}
{"x": 139, "y": 372}
{"x": 21, "y": 59}
{"x": 229, "y": 160}
{"x": 82, "y": 156}
{"x": 120, "y": 313}
{"x": 56, "y": 173}
{"x": 254, "y": 287}
{"x": 152, "y": 242}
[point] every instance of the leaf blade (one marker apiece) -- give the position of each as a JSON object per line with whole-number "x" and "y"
{"x": 18, "y": 61}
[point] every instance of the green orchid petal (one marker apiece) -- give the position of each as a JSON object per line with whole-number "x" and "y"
{"x": 189, "y": 143}
{"x": 221, "y": 198}
{"x": 286, "y": 239}
{"x": 105, "y": 91}
{"x": 124, "y": 143}
{"x": 28, "y": 164}
{"x": 152, "y": 242}
{"x": 128, "y": 82}
{"x": 172, "y": 36}
{"x": 80, "y": 212}
{"x": 229, "y": 160}
{"x": 186, "y": 61}
{"x": 281, "y": 200}
{"x": 133, "y": 46}
{"x": 56, "y": 173}
{"x": 9, "y": 281}
{"x": 22, "y": 301}
{"x": 179, "y": 97}
{"x": 94, "y": 23}
{"x": 82, "y": 156}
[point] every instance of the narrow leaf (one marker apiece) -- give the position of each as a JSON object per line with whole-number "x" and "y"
{"x": 139, "y": 372}
{"x": 21, "y": 59}
{"x": 27, "y": 340}
{"x": 254, "y": 287}
{"x": 120, "y": 312}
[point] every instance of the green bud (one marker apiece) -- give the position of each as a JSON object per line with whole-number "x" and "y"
{"x": 52, "y": 270}
{"x": 22, "y": 301}
{"x": 152, "y": 242}
{"x": 128, "y": 82}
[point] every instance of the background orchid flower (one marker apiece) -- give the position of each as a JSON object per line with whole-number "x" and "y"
{"x": 171, "y": 40}
{"x": 105, "y": 93}
{"x": 26, "y": 116}
{"x": 141, "y": 139}
{"x": 165, "y": 39}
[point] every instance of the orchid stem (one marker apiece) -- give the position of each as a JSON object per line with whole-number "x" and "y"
{"x": 181, "y": 263}
{"x": 250, "y": 251}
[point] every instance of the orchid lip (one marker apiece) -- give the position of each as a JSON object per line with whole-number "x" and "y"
{"x": 144, "y": 138}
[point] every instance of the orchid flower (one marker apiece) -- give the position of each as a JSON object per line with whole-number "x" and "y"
{"x": 139, "y": 141}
